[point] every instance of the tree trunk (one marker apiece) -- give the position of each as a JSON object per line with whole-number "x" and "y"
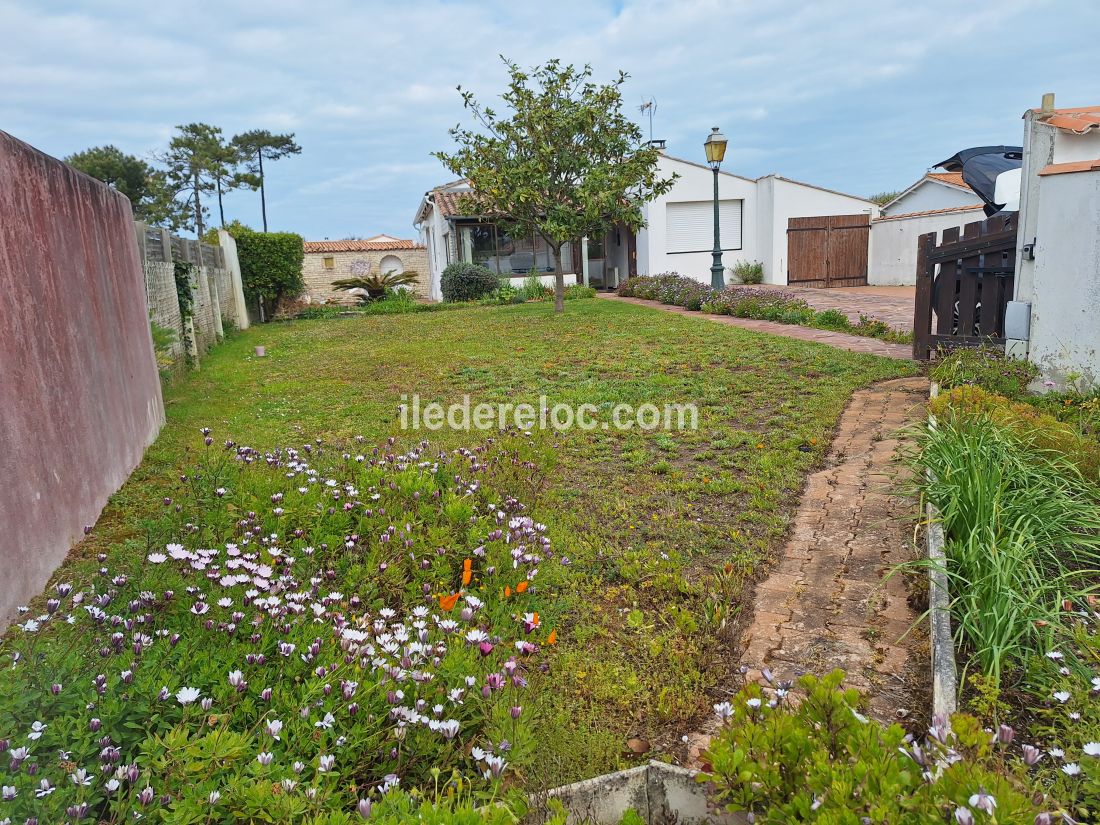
{"x": 263, "y": 196}
{"x": 559, "y": 280}
{"x": 221, "y": 209}
{"x": 198, "y": 207}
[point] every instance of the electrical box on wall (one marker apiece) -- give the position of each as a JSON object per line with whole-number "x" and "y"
{"x": 1018, "y": 320}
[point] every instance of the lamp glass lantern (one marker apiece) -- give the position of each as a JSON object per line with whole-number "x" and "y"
{"x": 715, "y": 146}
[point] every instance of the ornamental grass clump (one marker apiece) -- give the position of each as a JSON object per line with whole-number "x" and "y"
{"x": 1023, "y": 536}
{"x": 820, "y": 760}
{"x": 309, "y": 634}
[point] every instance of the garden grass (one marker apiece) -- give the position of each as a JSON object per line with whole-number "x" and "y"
{"x": 665, "y": 529}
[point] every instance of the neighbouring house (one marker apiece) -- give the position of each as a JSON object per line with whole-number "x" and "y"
{"x": 678, "y": 234}
{"x": 1057, "y": 277}
{"x": 937, "y": 201}
{"x": 328, "y": 261}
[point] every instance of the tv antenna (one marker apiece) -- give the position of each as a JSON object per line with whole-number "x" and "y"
{"x": 649, "y": 107}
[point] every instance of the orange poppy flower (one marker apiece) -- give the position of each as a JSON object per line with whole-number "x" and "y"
{"x": 466, "y": 576}
{"x": 507, "y": 592}
{"x": 552, "y": 639}
{"x": 448, "y": 602}
{"x": 522, "y": 586}
{"x": 466, "y": 564}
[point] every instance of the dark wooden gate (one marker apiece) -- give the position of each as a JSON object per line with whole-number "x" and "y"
{"x": 963, "y": 303}
{"x": 828, "y": 250}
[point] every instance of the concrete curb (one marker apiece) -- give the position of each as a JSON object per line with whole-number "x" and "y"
{"x": 658, "y": 792}
{"x": 945, "y": 680}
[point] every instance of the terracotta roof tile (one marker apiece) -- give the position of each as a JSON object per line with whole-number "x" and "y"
{"x": 953, "y": 178}
{"x": 969, "y": 208}
{"x": 1079, "y": 120}
{"x": 359, "y": 246}
{"x": 448, "y": 202}
{"x": 1072, "y": 166}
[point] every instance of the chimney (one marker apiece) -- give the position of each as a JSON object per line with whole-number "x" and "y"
{"x": 1048, "y": 103}
{"x": 658, "y": 144}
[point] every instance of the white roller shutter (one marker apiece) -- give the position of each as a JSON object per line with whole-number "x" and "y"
{"x": 689, "y": 225}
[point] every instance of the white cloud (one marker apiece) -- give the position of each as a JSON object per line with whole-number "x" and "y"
{"x": 859, "y": 96}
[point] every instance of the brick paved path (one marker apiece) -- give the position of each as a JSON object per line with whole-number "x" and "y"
{"x": 892, "y": 304}
{"x": 825, "y": 604}
{"x": 840, "y": 340}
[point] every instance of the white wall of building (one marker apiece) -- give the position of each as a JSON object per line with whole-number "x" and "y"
{"x": 931, "y": 194}
{"x": 893, "y": 256}
{"x": 1065, "y": 305}
{"x": 781, "y": 199}
{"x": 696, "y": 183}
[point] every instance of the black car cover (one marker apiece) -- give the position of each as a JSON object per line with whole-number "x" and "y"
{"x": 980, "y": 167}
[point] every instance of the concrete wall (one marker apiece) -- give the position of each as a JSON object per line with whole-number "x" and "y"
{"x": 696, "y": 183}
{"x": 1065, "y": 305}
{"x": 893, "y": 256}
{"x": 318, "y": 280}
{"x": 781, "y": 199}
{"x": 932, "y": 195}
{"x": 80, "y": 396}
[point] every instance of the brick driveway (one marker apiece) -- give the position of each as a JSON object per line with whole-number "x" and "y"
{"x": 892, "y": 304}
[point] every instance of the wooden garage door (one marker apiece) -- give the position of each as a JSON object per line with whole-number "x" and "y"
{"x": 828, "y": 250}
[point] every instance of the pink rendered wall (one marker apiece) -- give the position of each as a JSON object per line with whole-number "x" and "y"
{"x": 80, "y": 397}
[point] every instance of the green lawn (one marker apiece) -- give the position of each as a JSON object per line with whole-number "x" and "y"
{"x": 664, "y": 529}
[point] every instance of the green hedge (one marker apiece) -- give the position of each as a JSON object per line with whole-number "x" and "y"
{"x": 271, "y": 263}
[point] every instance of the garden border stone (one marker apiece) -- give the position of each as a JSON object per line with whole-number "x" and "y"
{"x": 945, "y": 680}
{"x": 660, "y": 793}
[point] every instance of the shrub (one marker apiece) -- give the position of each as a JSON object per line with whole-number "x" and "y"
{"x": 748, "y": 272}
{"x": 1032, "y": 424}
{"x": 986, "y": 367}
{"x": 1023, "y": 534}
{"x": 376, "y": 287}
{"x": 577, "y": 291}
{"x": 822, "y": 761}
{"x": 271, "y": 263}
{"x": 467, "y": 282}
{"x": 832, "y": 319}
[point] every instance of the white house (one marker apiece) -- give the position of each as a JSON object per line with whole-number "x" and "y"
{"x": 937, "y": 201}
{"x": 678, "y": 232}
{"x": 1057, "y": 273}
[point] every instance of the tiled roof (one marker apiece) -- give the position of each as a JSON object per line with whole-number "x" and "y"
{"x": 359, "y": 246}
{"x": 953, "y": 178}
{"x": 1072, "y": 166}
{"x": 449, "y": 202}
{"x": 1079, "y": 120}
{"x": 969, "y": 208}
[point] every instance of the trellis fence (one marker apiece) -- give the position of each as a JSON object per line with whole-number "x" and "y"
{"x": 193, "y": 289}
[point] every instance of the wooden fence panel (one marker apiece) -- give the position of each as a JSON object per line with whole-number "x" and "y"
{"x": 964, "y": 285}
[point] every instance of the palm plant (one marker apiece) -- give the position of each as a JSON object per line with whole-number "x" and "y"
{"x": 375, "y": 287}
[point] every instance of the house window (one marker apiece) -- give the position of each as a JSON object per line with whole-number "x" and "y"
{"x": 689, "y": 226}
{"x": 330, "y": 262}
{"x": 486, "y": 244}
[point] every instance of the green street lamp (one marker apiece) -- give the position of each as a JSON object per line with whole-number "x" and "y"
{"x": 715, "y": 146}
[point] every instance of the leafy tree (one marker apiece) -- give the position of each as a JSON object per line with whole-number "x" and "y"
{"x": 193, "y": 159}
{"x": 257, "y": 145}
{"x": 564, "y": 162}
{"x": 151, "y": 197}
{"x": 228, "y": 175}
{"x": 271, "y": 264}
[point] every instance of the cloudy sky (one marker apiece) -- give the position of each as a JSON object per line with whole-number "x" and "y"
{"x": 856, "y": 96}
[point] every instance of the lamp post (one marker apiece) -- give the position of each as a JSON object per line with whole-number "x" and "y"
{"x": 715, "y": 146}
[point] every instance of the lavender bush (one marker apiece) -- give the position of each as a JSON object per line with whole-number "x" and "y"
{"x": 307, "y": 633}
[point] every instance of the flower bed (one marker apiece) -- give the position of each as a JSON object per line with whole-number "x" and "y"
{"x": 310, "y": 633}
{"x": 745, "y": 302}
{"x": 1021, "y": 510}
{"x": 821, "y": 760}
